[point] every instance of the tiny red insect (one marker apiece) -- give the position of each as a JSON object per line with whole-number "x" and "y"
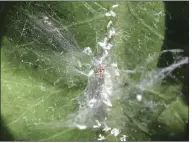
{"x": 101, "y": 69}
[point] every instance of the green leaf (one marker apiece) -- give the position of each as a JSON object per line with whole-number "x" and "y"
{"x": 39, "y": 88}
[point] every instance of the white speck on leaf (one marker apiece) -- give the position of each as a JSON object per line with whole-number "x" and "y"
{"x": 92, "y": 102}
{"x": 87, "y": 50}
{"x": 95, "y": 126}
{"x": 90, "y": 73}
{"x": 45, "y": 18}
{"x": 110, "y": 13}
{"x": 81, "y": 127}
{"x": 115, "y": 6}
{"x": 49, "y": 23}
{"x": 98, "y": 123}
{"x": 102, "y": 44}
{"x": 123, "y": 138}
{"x": 109, "y": 46}
{"x": 106, "y": 52}
{"x": 109, "y": 24}
{"x": 115, "y": 132}
{"x": 112, "y": 33}
{"x": 113, "y": 13}
{"x": 139, "y": 97}
{"x": 105, "y": 46}
{"x": 101, "y": 137}
{"x": 107, "y": 14}
{"x": 106, "y": 128}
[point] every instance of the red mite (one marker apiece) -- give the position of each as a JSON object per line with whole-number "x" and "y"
{"x": 101, "y": 69}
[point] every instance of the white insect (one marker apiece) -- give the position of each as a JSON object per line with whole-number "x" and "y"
{"x": 45, "y": 18}
{"x": 101, "y": 137}
{"x": 90, "y": 73}
{"x": 81, "y": 127}
{"x": 109, "y": 24}
{"x": 115, "y": 6}
{"x": 87, "y": 50}
{"x": 123, "y": 138}
{"x": 110, "y": 13}
{"x": 106, "y": 128}
{"x": 98, "y": 124}
{"x": 113, "y": 13}
{"x": 115, "y": 132}
{"x": 139, "y": 97}
{"x": 92, "y": 102}
{"x": 112, "y": 33}
{"x": 105, "y": 46}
